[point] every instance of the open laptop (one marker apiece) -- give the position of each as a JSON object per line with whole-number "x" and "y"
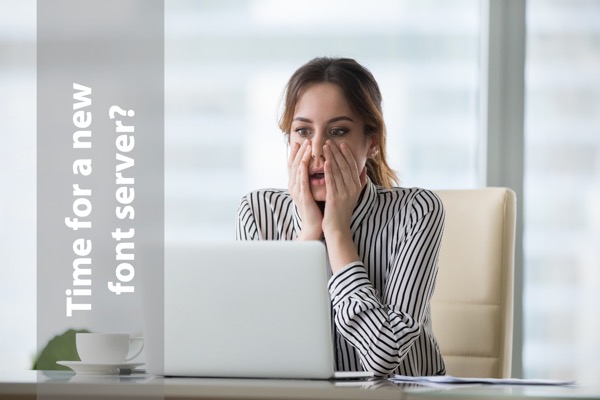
{"x": 251, "y": 309}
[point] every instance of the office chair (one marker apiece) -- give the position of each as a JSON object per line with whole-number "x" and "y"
{"x": 472, "y": 305}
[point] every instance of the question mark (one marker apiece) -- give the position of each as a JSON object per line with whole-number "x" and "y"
{"x": 118, "y": 110}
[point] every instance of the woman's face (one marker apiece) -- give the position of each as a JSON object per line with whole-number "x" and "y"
{"x": 322, "y": 113}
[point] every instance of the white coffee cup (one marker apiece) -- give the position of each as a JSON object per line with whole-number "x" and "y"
{"x": 107, "y": 348}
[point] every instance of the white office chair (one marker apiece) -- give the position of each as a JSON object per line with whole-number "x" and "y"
{"x": 472, "y": 306}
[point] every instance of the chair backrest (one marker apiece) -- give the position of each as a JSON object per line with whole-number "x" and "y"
{"x": 472, "y": 306}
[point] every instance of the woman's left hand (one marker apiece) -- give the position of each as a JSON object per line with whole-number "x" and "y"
{"x": 344, "y": 184}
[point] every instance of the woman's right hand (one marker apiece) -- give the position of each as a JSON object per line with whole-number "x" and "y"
{"x": 299, "y": 188}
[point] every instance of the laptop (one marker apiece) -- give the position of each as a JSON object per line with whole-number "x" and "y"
{"x": 242, "y": 309}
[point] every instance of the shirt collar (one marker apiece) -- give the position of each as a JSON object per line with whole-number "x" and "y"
{"x": 363, "y": 207}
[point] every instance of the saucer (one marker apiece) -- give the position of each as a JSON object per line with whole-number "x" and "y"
{"x": 94, "y": 369}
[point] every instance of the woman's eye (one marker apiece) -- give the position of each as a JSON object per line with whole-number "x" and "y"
{"x": 338, "y": 131}
{"x": 302, "y": 132}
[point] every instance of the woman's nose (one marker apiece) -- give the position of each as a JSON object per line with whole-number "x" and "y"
{"x": 317, "y": 147}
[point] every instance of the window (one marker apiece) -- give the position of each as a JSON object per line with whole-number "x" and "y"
{"x": 562, "y": 190}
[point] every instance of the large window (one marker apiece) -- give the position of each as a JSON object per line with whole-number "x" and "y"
{"x": 562, "y": 190}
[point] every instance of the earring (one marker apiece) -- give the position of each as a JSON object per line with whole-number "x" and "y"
{"x": 374, "y": 153}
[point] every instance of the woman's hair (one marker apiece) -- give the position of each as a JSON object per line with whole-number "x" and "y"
{"x": 362, "y": 94}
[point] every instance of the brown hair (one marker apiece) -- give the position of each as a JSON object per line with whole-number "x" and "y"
{"x": 362, "y": 93}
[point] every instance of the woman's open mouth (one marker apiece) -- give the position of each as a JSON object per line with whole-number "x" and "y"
{"x": 317, "y": 178}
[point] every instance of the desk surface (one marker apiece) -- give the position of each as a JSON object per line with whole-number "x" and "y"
{"x": 66, "y": 385}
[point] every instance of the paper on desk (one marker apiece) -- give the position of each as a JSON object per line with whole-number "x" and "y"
{"x": 447, "y": 379}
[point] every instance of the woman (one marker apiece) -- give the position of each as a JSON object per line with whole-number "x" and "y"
{"x": 382, "y": 241}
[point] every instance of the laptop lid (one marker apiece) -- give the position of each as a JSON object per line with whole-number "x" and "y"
{"x": 256, "y": 309}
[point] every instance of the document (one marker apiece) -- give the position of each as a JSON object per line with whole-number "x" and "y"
{"x": 452, "y": 380}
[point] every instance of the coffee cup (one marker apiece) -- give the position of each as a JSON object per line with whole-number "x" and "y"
{"x": 107, "y": 348}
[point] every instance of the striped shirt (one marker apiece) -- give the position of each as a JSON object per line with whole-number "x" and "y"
{"x": 381, "y": 305}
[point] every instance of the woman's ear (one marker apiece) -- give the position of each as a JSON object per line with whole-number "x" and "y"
{"x": 373, "y": 147}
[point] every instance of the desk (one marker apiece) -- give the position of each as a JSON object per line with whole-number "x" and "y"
{"x": 54, "y": 385}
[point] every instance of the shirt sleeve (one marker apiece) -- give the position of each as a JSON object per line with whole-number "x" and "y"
{"x": 245, "y": 227}
{"x": 383, "y": 327}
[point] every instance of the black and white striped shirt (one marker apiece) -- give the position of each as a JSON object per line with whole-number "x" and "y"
{"x": 381, "y": 305}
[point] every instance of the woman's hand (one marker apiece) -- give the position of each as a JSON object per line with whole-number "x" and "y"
{"x": 344, "y": 184}
{"x": 299, "y": 188}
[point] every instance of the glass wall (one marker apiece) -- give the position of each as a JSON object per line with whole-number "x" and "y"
{"x": 562, "y": 190}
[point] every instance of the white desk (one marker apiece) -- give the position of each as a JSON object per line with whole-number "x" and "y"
{"x": 44, "y": 385}
{"x": 31, "y": 385}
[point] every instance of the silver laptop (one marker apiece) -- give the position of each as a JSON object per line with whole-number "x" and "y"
{"x": 256, "y": 309}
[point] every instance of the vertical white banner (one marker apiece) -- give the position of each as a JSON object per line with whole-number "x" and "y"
{"x": 100, "y": 169}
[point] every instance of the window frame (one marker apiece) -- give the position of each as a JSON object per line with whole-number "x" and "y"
{"x": 501, "y": 125}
